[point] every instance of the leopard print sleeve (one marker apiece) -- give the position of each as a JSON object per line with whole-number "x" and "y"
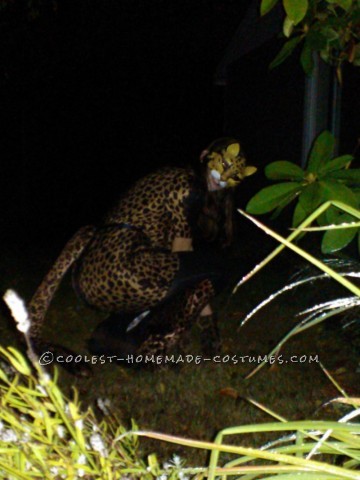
{"x": 176, "y": 206}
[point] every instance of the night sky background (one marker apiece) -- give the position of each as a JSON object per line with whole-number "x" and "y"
{"x": 95, "y": 94}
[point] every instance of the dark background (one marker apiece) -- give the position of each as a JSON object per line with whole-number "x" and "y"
{"x": 95, "y": 94}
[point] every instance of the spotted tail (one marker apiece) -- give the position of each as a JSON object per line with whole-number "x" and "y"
{"x": 40, "y": 302}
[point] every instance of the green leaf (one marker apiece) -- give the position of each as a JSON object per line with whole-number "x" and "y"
{"x": 288, "y": 27}
{"x": 284, "y": 202}
{"x": 356, "y": 190}
{"x": 284, "y": 170}
{"x": 331, "y": 215}
{"x": 17, "y": 361}
{"x": 344, "y": 4}
{"x": 306, "y": 58}
{"x": 296, "y": 9}
{"x": 330, "y": 33}
{"x": 299, "y": 215}
{"x": 266, "y": 6}
{"x": 336, "y": 164}
{"x": 311, "y": 197}
{"x": 271, "y": 197}
{"x": 351, "y": 176}
{"x": 335, "y": 240}
{"x": 322, "y": 220}
{"x": 286, "y": 50}
{"x": 321, "y": 152}
{"x": 333, "y": 190}
{"x": 356, "y": 60}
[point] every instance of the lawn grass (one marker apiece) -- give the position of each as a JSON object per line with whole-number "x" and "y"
{"x": 196, "y": 401}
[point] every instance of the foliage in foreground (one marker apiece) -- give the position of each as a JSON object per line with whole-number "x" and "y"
{"x": 315, "y": 314}
{"x": 324, "y": 179}
{"x": 44, "y": 435}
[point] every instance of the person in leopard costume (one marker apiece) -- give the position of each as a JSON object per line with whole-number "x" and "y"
{"x": 139, "y": 265}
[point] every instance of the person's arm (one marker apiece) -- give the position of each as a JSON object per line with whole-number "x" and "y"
{"x": 181, "y": 244}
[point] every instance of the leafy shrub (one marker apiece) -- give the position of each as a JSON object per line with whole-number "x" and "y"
{"x": 324, "y": 179}
{"x": 330, "y": 28}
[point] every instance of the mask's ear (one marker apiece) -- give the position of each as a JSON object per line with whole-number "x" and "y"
{"x": 233, "y": 149}
{"x": 249, "y": 171}
{"x": 203, "y": 155}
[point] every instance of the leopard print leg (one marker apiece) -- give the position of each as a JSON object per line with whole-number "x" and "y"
{"x": 41, "y": 300}
{"x": 169, "y": 321}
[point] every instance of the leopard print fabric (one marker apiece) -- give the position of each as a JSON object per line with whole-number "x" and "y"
{"x": 129, "y": 266}
{"x": 126, "y": 265}
{"x": 175, "y": 317}
{"x": 156, "y": 205}
{"x": 44, "y": 294}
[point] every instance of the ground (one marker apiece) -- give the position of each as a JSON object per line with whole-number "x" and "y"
{"x": 196, "y": 401}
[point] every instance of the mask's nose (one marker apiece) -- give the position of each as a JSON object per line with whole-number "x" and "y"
{"x": 226, "y": 174}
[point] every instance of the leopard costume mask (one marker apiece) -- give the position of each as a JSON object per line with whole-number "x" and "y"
{"x": 227, "y": 164}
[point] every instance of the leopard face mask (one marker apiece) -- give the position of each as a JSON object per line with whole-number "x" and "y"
{"x": 227, "y": 167}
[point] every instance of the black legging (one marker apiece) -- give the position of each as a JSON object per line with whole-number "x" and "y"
{"x": 197, "y": 266}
